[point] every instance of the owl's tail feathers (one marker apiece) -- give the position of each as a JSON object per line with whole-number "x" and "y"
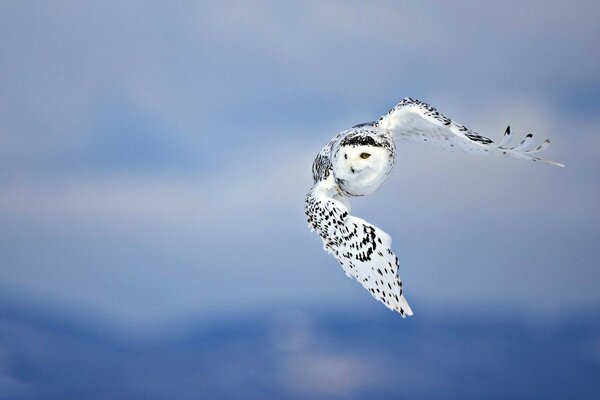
{"x": 403, "y": 308}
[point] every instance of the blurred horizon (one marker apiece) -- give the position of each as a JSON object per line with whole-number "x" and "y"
{"x": 305, "y": 352}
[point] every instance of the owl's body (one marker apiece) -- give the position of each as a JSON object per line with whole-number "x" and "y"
{"x": 356, "y": 162}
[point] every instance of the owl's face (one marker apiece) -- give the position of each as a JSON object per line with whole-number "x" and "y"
{"x": 360, "y": 170}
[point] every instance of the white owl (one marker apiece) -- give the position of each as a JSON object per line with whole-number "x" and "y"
{"x": 357, "y": 161}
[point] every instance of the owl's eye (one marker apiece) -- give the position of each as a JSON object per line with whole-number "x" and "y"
{"x": 364, "y": 156}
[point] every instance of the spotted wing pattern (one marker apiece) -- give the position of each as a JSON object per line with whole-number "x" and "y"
{"x": 363, "y": 250}
{"x": 415, "y": 120}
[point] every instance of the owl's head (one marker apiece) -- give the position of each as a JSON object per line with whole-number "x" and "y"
{"x": 362, "y": 163}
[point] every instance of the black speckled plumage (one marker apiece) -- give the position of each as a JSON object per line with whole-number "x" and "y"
{"x": 357, "y": 161}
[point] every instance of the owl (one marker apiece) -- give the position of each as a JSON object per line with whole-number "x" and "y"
{"x": 357, "y": 161}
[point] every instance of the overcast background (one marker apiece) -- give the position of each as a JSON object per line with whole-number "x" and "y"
{"x": 154, "y": 159}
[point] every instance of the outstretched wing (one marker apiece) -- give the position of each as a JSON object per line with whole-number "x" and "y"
{"x": 413, "y": 119}
{"x": 363, "y": 250}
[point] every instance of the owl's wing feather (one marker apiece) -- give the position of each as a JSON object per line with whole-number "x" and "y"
{"x": 363, "y": 250}
{"x": 414, "y": 120}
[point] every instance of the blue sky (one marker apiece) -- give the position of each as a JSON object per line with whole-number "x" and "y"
{"x": 154, "y": 159}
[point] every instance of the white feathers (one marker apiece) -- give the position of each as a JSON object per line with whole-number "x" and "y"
{"x": 360, "y": 170}
{"x": 357, "y": 161}
{"x": 506, "y": 139}
{"x": 543, "y": 147}
{"x": 415, "y": 120}
{"x": 526, "y": 144}
{"x": 363, "y": 250}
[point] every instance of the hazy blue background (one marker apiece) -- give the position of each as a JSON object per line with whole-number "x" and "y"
{"x": 154, "y": 159}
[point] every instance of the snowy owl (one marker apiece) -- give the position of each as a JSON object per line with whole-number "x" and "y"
{"x": 357, "y": 161}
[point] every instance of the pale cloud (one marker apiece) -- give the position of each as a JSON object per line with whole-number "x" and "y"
{"x": 239, "y": 100}
{"x": 232, "y": 238}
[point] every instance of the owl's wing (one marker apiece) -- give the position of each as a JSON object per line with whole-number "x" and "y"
{"x": 363, "y": 250}
{"x": 413, "y": 119}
